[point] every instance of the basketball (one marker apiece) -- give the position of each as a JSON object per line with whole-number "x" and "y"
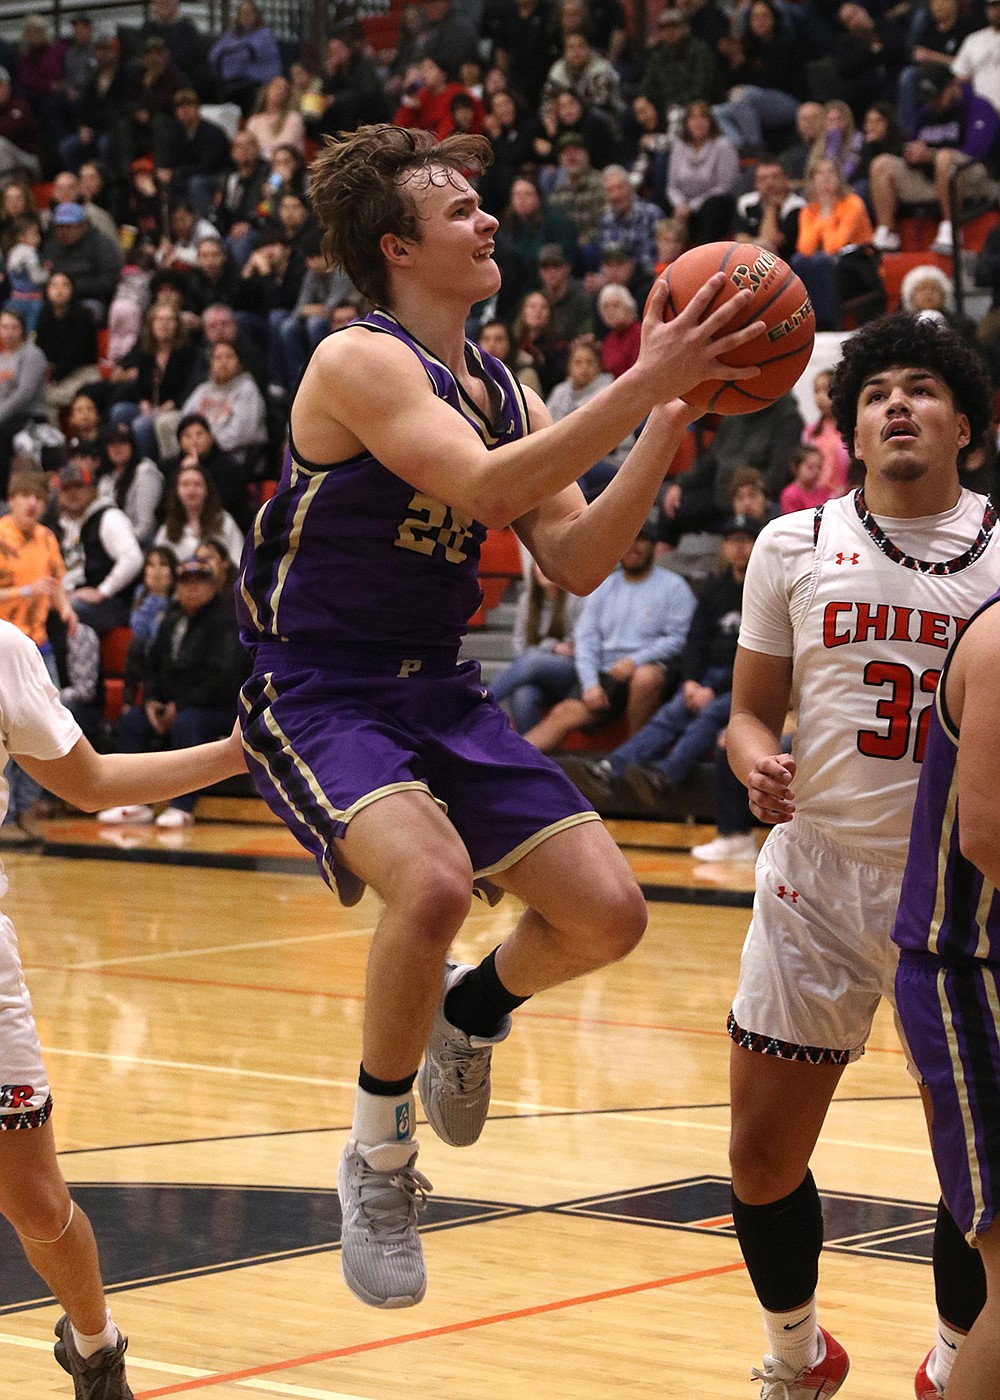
{"x": 780, "y": 300}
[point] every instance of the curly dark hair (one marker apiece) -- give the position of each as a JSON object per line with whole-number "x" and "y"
{"x": 913, "y": 342}
{"x": 359, "y": 193}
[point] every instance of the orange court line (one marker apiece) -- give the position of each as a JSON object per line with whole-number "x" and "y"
{"x": 203, "y": 1382}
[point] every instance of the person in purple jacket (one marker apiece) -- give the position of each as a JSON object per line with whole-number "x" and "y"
{"x": 954, "y": 127}
{"x": 948, "y": 978}
{"x": 382, "y": 751}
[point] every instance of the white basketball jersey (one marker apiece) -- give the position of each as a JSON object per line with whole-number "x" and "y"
{"x": 870, "y": 621}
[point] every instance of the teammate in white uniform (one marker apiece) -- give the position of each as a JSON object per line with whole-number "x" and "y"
{"x": 47, "y": 742}
{"x": 847, "y": 616}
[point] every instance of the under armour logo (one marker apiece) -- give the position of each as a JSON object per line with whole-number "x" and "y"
{"x": 786, "y": 892}
{"x": 848, "y": 558}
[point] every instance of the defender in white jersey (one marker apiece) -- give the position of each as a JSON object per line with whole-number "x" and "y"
{"x": 47, "y": 742}
{"x": 848, "y": 614}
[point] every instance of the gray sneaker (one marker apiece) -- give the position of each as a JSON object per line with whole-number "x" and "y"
{"x": 381, "y": 1193}
{"x": 454, "y": 1079}
{"x": 99, "y": 1377}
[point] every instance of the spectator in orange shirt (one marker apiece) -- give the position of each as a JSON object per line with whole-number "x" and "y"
{"x": 31, "y": 565}
{"x": 834, "y": 220}
{"x": 31, "y": 571}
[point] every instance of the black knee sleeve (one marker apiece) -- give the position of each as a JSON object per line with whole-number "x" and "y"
{"x": 781, "y": 1244}
{"x": 959, "y": 1275}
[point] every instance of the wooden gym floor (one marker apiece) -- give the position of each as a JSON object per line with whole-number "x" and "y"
{"x": 199, "y": 999}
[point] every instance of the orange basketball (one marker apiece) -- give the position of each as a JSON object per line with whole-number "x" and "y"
{"x": 780, "y": 300}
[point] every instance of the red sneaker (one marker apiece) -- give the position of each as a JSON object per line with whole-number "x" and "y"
{"x": 823, "y": 1378}
{"x": 923, "y": 1386}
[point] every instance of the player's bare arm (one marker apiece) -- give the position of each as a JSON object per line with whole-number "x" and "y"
{"x": 92, "y": 780}
{"x": 578, "y": 545}
{"x": 762, "y": 686}
{"x": 973, "y": 682}
{"x": 343, "y": 404}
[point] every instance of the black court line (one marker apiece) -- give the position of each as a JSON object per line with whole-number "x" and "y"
{"x": 494, "y": 1118}
{"x": 304, "y": 865}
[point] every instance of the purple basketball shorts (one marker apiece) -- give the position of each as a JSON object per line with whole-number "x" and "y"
{"x": 324, "y": 743}
{"x": 950, "y": 1021}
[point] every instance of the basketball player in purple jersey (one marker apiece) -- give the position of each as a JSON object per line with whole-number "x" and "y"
{"x": 948, "y": 979}
{"x": 385, "y": 756}
{"x": 847, "y": 616}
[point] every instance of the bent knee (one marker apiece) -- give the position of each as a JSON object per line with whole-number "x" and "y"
{"x": 761, "y": 1172}
{"x": 619, "y": 923}
{"x": 41, "y": 1211}
{"x": 435, "y": 897}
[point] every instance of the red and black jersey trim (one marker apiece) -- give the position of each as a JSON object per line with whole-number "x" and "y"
{"x": 937, "y": 568}
{"x": 784, "y": 1049}
{"x": 33, "y": 1118}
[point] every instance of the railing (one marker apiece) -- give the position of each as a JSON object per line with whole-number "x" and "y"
{"x": 958, "y": 221}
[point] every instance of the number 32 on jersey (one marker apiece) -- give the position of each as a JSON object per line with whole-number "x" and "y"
{"x": 896, "y": 709}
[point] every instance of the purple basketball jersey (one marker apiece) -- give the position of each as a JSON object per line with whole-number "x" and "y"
{"x": 946, "y": 906}
{"x": 346, "y": 555}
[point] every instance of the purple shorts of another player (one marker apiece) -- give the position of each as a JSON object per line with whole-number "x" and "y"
{"x": 325, "y": 739}
{"x": 952, "y": 1034}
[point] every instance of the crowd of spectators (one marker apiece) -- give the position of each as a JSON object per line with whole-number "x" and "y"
{"x": 163, "y": 281}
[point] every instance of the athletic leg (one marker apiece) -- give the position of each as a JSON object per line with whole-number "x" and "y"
{"x": 976, "y": 1373}
{"x": 778, "y": 1109}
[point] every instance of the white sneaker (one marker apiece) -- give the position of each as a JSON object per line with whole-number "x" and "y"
{"x": 175, "y": 817}
{"x": 944, "y": 239}
{"x": 126, "y": 816}
{"x": 454, "y": 1079}
{"x": 736, "y": 847}
{"x": 381, "y": 1193}
{"x": 885, "y": 239}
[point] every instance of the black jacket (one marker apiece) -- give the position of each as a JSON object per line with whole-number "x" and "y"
{"x": 210, "y": 665}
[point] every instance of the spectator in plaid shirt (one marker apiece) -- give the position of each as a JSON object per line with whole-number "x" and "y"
{"x": 579, "y": 190}
{"x": 628, "y": 221}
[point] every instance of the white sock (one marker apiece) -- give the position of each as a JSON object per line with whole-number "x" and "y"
{"x": 87, "y": 1345}
{"x": 793, "y": 1337}
{"x": 943, "y": 234}
{"x": 383, "y": 1118}
{"x": 943, "y": 1356}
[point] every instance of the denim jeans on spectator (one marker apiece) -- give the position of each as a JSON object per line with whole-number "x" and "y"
{"x": 106, "y": 615}
{"x": 675, "y": 739}
{"x": 818, "y": 272}
{"x": 193, "y": 725}
{"x": 534, "y": 681}
{"x": 732, "y": 805}
{"x": 745, "y": 119}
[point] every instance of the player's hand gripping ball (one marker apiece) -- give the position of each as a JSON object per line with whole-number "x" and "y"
{"x": 780, "y": 300}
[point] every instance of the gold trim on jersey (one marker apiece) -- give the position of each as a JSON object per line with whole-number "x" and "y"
{"x": 941, "y": 888}
{"x": 519, "y": 852}
{"x": 294, "y": 535}
{"x": 961, "y": 1092}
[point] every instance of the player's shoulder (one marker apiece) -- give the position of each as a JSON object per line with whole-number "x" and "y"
{"x": 792, "y": 530}
{"x": 361, "y": 354}
{"x": 14, "y": 645}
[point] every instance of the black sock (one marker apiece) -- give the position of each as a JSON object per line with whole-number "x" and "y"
{"x": 385, "y": 1088}
{"x": 959, "y": 1275}
{"x": 781, "y": 1243}
{"x": 480, "y": 1002}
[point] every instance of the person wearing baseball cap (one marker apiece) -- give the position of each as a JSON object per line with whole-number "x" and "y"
{"x": 88, "y": 257}
{"x": 191, "y": 677}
